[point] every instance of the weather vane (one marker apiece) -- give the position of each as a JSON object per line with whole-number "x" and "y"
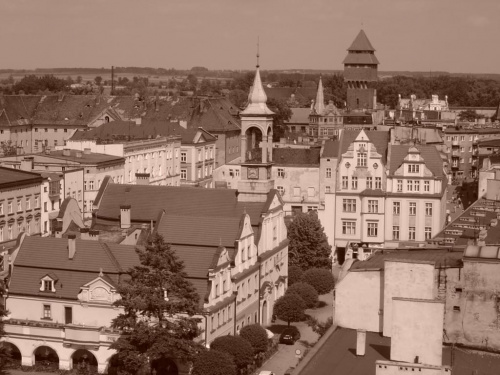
{"x": 257, "y": 52}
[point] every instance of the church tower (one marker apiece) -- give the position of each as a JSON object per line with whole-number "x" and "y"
{"x": 256, "y": 145}
{"x": 360, "y": 74}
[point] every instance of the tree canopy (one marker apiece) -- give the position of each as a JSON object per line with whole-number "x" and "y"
{"x": 159, "y": 304}
{"x": 294, "y": 275}
{"x": 320, "y": 279}
{"x": 239, "y": 348}
{"x": 308, "y": 247}
{"x": 290, "y": 308}
{"x": 214, "y": 362}
{"x": 307, "y": 292}
{"x": 256, "y": 335}
{"x": 4, "y": 350}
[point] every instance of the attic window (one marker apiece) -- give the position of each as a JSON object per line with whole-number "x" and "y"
{"x": 47, "y": 284}
{"x": 458, "y": 290}
{"x": 456, "y": 308}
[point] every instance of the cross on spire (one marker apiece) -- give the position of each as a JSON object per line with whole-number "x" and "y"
{"x": 258, "y": 53}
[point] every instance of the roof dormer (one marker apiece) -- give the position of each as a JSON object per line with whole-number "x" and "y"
{"x": 48, "y": 282}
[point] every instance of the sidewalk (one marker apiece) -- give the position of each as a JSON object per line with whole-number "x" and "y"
{"x": 285, "y": 356}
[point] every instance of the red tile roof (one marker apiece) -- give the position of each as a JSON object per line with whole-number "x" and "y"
{"x": 297, "y": 156}
{"x": 10, "y": 176}
{"x": 331, "y": 149}
{"x": 214, "y": 115}
{"x": 361, "y": 43}
{"x": 429, "y": 153}
{"x": 17, "y": 109}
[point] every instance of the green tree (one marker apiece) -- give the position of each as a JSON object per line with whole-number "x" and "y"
{"x": 98, "y": 80}
{"x": 308, "y": 247}
{"x": 294, "y": 275}
{"x": 282, "y": 113}
{"x": 8, "y": 149}
{"x": 469, "y": 115}
{"x": 237, "y": 347}
{"x": 320, "y": 279}
{"x": 290, "y": 308}
{"x": 213, "y": 362}
{"x": 238, "y": 97}
{"x": 256, "y": 335}
{"x": 306, "y": 292}
{"x": 159, "y": 304}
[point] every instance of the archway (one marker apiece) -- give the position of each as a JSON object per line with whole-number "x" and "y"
{"x": 253, "y": 137}
{"x": 15, "y": 353}
{"x": 46, "y": 358}
{"x": 164, "y": 366}
{"x": 264, "y": 313}
{"x": 84, "y": 360}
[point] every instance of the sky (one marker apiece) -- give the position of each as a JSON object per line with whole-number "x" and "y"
{"x": 458, "y": 36}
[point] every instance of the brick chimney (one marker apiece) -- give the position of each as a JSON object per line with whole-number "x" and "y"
{"x": 124, "y": 216}
{"x": 71, "y": 245}
{"x": 142, "y": 178}
{"x": 84, "y": 233}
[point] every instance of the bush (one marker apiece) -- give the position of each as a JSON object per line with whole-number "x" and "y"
{"x": 320, "y": 327}
{"x": 306, "y": 292}
{"x": 256, "y": 335}
{"x": 239, "y": 348}
{"x": 294, "y": 275}
{"x": 213, "y": 362}
{"x": 290, "y": 308}
{"x": 321, "y": 279}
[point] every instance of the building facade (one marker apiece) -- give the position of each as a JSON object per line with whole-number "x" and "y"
{"x": 197, "y": 158}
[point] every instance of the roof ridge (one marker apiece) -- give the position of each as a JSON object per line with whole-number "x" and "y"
{"x": 109, "y": 253}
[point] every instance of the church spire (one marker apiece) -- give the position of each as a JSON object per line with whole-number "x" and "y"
{"x": 319, "y": 106}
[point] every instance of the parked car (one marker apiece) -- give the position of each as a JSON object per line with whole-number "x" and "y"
{"x": 266, "y": 372}
{"x": 289, "y": 335}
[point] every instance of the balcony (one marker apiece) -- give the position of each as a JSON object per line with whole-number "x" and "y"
{"x": 455, "y": 154}
{"x": 455, "y": 143}
{"x": 454, "y": 166}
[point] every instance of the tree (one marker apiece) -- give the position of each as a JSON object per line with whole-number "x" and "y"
{"x": 306, "y": 292}
{"x": 282, "y": 113}
{"x": 237, "y": 347}
{"x": 256, "y": 335}
{"x": 238, "y": 97}
{"x": 8, "y": 149}
{"x": 4, "y": 350}
{"x": 159, "y": 304}
{"x": 213, "y": 362}
{"x": 319, "y": 278}
{"x": 468, "y": 115}
{"x": 308, "y": 245}
{"x": 98, "y": 80}
{"x": 294, "y": 275}
{"x": 290, "y": 308}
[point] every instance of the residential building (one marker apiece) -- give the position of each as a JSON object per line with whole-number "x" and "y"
{"x": 22, "y": 204}
{"x": 197, "y": 158}
{"x": 299, "y": 121}
{"x": 490, "y": 171}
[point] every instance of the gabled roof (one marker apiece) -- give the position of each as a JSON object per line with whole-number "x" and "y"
{"x": 297, "y": 156}
{"x": 429, "y": 153}
{"x": 361, "y": 43}
{"x": 215, "y": 114}
{"x": 17, "y": 109}
{"x": 379, "y": 138}
{"x": 331, "y": 149}
{"x": 299, "y": 116}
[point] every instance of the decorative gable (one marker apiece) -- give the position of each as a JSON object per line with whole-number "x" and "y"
{"x": 47, "y": 283}
{"x": 98, "y": 290}
{"x": 223, "y": 258}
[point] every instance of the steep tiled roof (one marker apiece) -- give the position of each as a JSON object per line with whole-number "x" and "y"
{"x": 442, "y": 258}
{"x": 380, "y": 140}
{"x": 17, "y": 109}
{"x": 360, "y": 58}
{"x": 14, "y": 176}
{"x": 331, "y": 149}
{"x": 429, "y": 153}
{"x": 299, "y": 116}
{"x": 361, "y": 43}
{"x": 217, "y": 115}
{"x": 197, "y": 259}
{"x": 296, "y": 156}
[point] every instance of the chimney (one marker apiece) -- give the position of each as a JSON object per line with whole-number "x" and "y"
{"x": 94, "y": 235}
{"x": 27, "y": 164}
{"x": 84, "y": 233}
{"x": 360, "y": 342}
{"x": 125, "y": 216}
{"x": 86, "y": 151}
{"x": 66, "y": 152}
{"x": 142, "y": 178}
{"x": 71, "y": 245}
{"x": 183, "y": 123}
{"x": 79, "y": 154}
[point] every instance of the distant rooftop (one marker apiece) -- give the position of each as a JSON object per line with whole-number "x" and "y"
{"x": 14, "y": 176}
{"x": 81, "y": 157}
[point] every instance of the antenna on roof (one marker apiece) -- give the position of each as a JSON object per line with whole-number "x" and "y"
{"x": 257, "y": 66}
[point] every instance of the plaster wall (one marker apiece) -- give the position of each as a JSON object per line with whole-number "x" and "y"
{"x": 405, "y": 279}
{"x": 300, "y": 185}
{"x": 358, "y": 300}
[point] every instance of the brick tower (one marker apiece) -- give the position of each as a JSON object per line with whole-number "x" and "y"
{"x": 360, "y": 74}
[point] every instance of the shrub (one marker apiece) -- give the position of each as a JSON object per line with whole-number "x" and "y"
{"x": 306, "y": 292}
{"x": 237, "y": 347}
{"x": 213, "y": 362}
{"x": 290, "y": 308}
{"x": 256, "y": 335}
{"x": 294, "y": 275}
{"x": 320, "y": 327}
{"x": 321, "y": 279}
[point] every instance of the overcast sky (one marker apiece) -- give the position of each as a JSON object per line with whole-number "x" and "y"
{"x": 448, "y": 35}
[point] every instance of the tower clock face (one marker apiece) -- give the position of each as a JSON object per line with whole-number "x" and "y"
{"x": 253, "y": 173}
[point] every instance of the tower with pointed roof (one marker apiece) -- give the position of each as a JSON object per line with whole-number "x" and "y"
{"x": 324, "y": 120}
{"x": 256, "y": 145}
{"x": 360, "y": 74}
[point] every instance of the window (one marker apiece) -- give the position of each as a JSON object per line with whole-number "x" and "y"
{"x": 413, "y": 168}
{"x": 1, "y": 208}
{"x": 327, "y": 189}
{"x": 373, "y": 206}
{"x": 199, "y": 172}
{"x": 372, "y": 229}
{"x": 416, "y": 185}
{"x": 448, "y": 138}
{"x": 462, "y": 138}
{"x": 369, "y": 182}
{"x": 311, "y": 192}
{"x": 91, "y": 185}
{"x": 396, "y": 208}
{"x": 328, "y": 172}
{"x": 199, "y": 155}
{"x": 411, "y": 233}
{"x": 378, "y": 182}
{"x": 281, "y": 190}
{"x": 281, "y": 172}
{"x": 19, "y": 205}
{"x": 28, "y": 203}
{"x": 47, "y": 314}
{"x": 345, "y": 182}
{"x": 48, "y": 286}
{"x": 1, "y": 234}
{"x": 9, "y": 207}
{"x": 9, "y": 232}
{"x": 348, "y": 227}
{"x": 183, "y": 174}
{"x": 206, "y": 153}
{"x": 68, "y": 315}
{"x": 349, "y": 205}
{"x": 427, "y": 186}
{"x": 428, "y": 231}
{"x": 428, "y": 209}
{"x": 296, "y": 192}
{"x": 400, "y": 185}
{"x": 361, "y": 159}
{"x": 183, "y": 157}
{"x": 395, "y": 232}
{"x": 354, "y": 182}
{"x": 413, "y": 208}
{"x": 462, "y": 149}
{"x": 409, "y": 185}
